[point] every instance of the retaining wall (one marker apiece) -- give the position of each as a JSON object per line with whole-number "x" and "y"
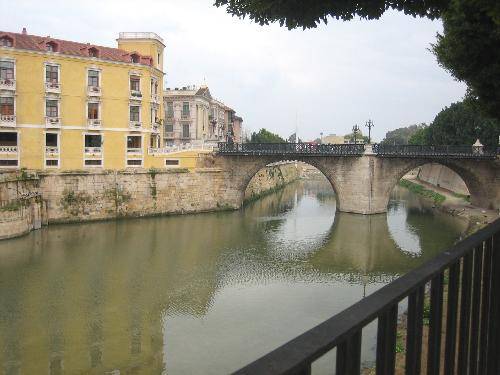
{"x": 442, "y": 176}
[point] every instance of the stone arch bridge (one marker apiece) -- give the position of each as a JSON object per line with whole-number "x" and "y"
{"x": 362, "y": 177}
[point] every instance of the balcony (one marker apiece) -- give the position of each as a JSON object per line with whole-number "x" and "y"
{"x": 93, "y": 91}
{"x": 51, "y": 151}
{"x": 8, "y": 149}
{"x": 8, "y": 84}
{"x": 95, "y": 124}
{"x": 53, "y": 122}
{"x": 93, "y": 151}
{"x": 185, "y": 136}
{"x": 53, "y": 87}
{"x": 170, "y": 114}
{"x": 169, "y": 135}
{"x": 185, "y": 115}
{"x": 135, "y": 125}
{"x": 8, "y": 121}
{"x": 135, "y": 95}
{"x": 134, "y": 151}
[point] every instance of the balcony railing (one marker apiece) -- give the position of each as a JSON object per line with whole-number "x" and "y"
{"x": 51, "y": 150}
{"x": 7, "y": 84}
{"x": 134, "y": 150}
{"x": 8, "y": 120}
{"x": 185, "y": 115}
{"x": 53, "y": 122}
{"x": 94, "y": 123}
{"x": 93, "y": 90}
{"x": 53, "y": 87}
{"x": 135, "y": 95}
{"x": 470, "y": 274}
{"x": 169, "y": 135}
{"x": 8, "y": 149}
{"x": 93, "y": 150}
{"x": 135, "y": 125}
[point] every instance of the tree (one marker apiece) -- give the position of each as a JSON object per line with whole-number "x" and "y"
{"x": 470, "y": 49}
{"x": 308, "y": 14}
{"x": 401, "y": 136}
{"x": 265, "y": 136}
{"x": 420, "y": 137}
{"x": 461, "y": 124}
{"x": 360, "y": 138}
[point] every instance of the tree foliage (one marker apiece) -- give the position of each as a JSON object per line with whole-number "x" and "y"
{"x": 459, "y": 124}
{"x": 359, "y": 137}
{"x": 469, "y": 49}
{"x": 401, "y": 136}
{"x": 310, "y": 13}
{"x": 265, "y": 136}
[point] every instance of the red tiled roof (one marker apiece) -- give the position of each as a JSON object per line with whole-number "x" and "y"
{"x": 65, "y": 47}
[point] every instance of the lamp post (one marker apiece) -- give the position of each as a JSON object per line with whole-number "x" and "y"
{"x": 321, "y": 138}
{"x": 355, "y": 130}
{"x": 369, "y": 125}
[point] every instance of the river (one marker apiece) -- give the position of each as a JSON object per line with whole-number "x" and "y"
{"x": 205, "y": 293}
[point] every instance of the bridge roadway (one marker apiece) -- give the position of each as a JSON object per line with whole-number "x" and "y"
{"x": 362, "y": 176}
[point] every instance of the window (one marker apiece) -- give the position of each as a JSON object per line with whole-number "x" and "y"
{"x": 6, "y": 70}
{"x": 8, "y": 163}
{"x": 8, "y": 139}
{"x": 171, "y": 162}
{"x": 170, "y": 109}
{"x": 93, "y": 111}
{"x": 7, "y": 106}
{"x": 135, "y": 113}
{"x": 137, "y": 162}
{"x": 158, "y": 59}
{"x": 52, "y": 73}
{"x": 185, "y": 131}
{"x": 169, "y": 128}
{"x": 51, "y": 108}
{"x": 135, "y": 83}
{"x": 154, "y": 141}
{"x": 134, "y": 141}
{"x": 51, "y": 140}
{"x": 51, "y": 47}
{"x": 93, "y": 52}
{"x": 93, "y": 162}
{"x": 6, "y": 41}
{"x": 185, "y": 109}
{"x": 51, "y": 163}
{"x": 93, "y": 140}
{"x": 93, "y": 78}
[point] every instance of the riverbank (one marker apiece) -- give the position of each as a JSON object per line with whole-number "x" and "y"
{"x": 80, "y": 196}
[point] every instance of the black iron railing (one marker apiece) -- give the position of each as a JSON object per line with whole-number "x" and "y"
{"x": 469, "y": 270}
{"x": 439, "y": 151}
{"x": 290, "y": 149}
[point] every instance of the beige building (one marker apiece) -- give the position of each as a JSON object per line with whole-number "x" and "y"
{"x": 333, "y": 139}
{"x": 192, "y": 114}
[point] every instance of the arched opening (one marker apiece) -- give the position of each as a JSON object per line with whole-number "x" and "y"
{"x": 51, "y": 46}
{"x": 93, "y": 52}
{"x": 135, "y": 58}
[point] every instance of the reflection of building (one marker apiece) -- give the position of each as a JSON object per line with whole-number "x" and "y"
{"x": 69, "y": 105}
{"x": 192, "y": 114}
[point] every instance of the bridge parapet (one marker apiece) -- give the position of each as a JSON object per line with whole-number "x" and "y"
{"x": 438, "y": 151}
{"x": 291, "y": 149}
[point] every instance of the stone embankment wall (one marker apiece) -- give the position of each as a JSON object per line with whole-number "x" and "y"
{"x": 442, "y": 176}
{"x": 271, "y": 178}
{"x": 29, "y": 200}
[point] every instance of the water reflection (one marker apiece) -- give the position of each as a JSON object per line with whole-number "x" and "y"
{"x": 200, "y": 293}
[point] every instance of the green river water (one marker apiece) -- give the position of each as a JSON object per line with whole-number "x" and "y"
{"x": 206, "y": 293}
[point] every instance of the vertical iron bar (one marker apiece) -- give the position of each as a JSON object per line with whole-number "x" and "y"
{"x": 493, "y": 360}
{"x": 306, "y": 370}
{"x": 463, "y": 344}
{"x": 386, "y": 341}
{"x": 414, "y": 331}
{"x": 451, "y": 320}
{"x": 349, "y": 355}
{"x": 485, "y": 305}
{"x": 476, "y": 304}
{"x": 435, "y": 322}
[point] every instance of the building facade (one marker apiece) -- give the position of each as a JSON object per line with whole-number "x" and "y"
{"x": 193, "y": 115}
{"x": 69, "y": 106}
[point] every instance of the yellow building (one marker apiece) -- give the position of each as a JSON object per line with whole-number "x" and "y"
{"x": 68, "y": 106}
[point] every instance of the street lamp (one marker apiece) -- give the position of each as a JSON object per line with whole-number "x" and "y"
{"x": 355, "y": 130}
{"x": 321, "y": 138}
{"x": 369, "y": 125}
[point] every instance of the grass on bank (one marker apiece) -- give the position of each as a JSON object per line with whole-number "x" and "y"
{"x": 419, "y": 189}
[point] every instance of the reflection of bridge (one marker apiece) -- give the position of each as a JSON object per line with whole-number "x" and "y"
{"x": 362, "y": 176}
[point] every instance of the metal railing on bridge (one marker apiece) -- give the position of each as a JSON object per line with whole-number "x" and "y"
{"x": 470, "y": 271}
{"x": 291, "y": 149}
{"x": 438, "y": 151}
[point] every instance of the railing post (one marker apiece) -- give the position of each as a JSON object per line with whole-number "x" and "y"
{"x": 451, "y": 321}
{"x": 386, "y": 341}
{"x": 414, "y": 331}
{"x": 349, "y": 355}
{"x": 435, "y": 322}
{"x": 465, "y": 303}
{"x": 493, "y": 360}
{"x": 476, "y": 302}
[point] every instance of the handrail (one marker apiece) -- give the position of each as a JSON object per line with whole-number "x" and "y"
{"x": 290, "y": 149}
{"x": 477, "y": 283}
{"x": 436, "y": 151}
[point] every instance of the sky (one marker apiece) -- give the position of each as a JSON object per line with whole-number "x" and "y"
{"x": 324, "y": 80}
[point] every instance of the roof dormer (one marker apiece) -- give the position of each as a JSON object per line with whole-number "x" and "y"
{"x": 135, "y": 58}
{"x": 51, "y": 46}
{"x": 93, "y": 52}
{"x": 6, "y": 41}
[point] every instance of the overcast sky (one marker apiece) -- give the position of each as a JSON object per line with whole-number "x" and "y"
{"x": 330, "y": 78}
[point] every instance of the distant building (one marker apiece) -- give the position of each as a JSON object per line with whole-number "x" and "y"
{"x": 192, "y": 114}
{"x": 334, "y": 139}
